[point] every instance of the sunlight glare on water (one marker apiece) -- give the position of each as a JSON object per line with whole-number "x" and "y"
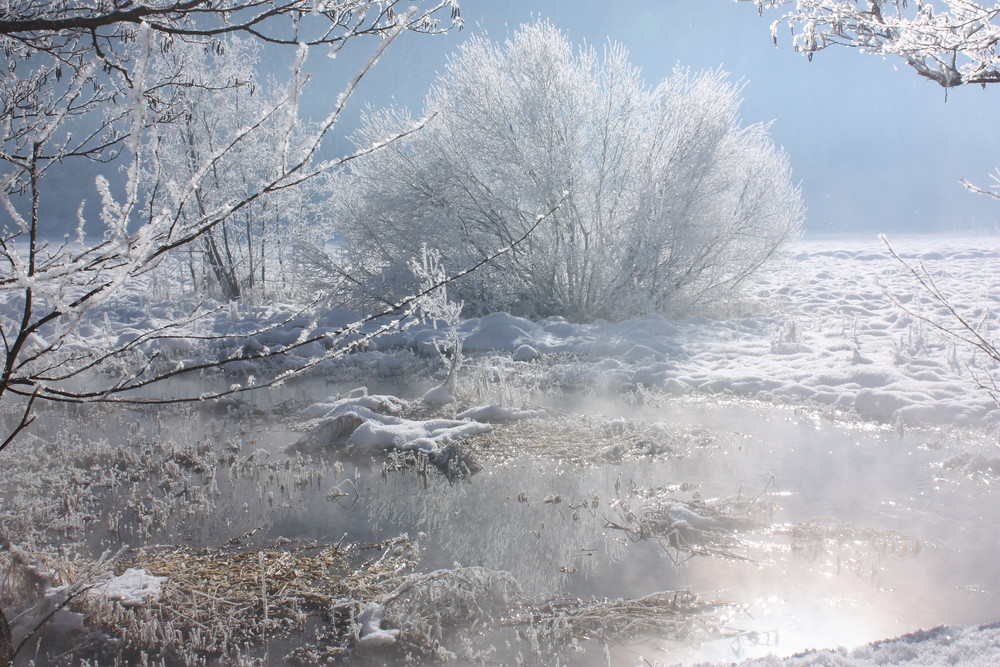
{"x": 864, "y": 539}
{"x": 807, "y": 531}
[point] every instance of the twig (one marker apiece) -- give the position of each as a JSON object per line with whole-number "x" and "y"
{"x": 263, "y": 591}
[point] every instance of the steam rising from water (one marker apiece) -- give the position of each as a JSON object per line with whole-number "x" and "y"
{"x": 814, "y": 533}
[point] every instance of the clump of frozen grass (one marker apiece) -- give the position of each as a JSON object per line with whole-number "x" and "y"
{"x": 455, "y": 461}
{"x": 441, "y": 612}
{"x": 787, "y": 339}
{"x": 686, "y": 528}
{"x": 559, "y": 625}
{"x": 735, "y": 527}
{"x": 393, "y": 610}
{"x": 586, "y": 439}
{"x": 494, "y": 380}
{"x": 217, "y": 601}
{"x": 977, "y": 465}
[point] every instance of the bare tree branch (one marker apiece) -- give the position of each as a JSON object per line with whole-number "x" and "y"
{"x": 961, "y": 328}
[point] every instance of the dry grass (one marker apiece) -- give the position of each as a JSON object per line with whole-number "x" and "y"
{"x": 584, "y": 439}
{"x": 221, "y": 603}
{"x": 559, "y": 624}
{"x": 685, "y": 528}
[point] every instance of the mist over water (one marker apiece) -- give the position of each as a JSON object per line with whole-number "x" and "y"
{"x": 807, "y": 530}
{"x": 869, "y": 533}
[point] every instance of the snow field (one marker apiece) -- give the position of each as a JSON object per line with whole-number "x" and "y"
{"x": 825, "y": 325}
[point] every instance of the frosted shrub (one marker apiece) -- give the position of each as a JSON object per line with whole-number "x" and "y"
{"x": 669, "y": 202}
{"x": 435, "y": 307}
{"x": 242, "y": 255}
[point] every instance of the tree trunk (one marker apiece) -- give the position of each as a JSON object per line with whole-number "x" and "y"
{"x": 6, "y": 645}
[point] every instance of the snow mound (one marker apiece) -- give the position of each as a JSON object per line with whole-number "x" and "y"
{"x": 132, "y": 588}
{"x": 371, "y": 634}
{"x": 357, "y": 397}
{"x": 428, "y": 435}
{"x": 496, "y": 414}
{"x": 360, "y": 424}
{"x": 437, "y": 396}
{"x": 525, "y": 353}
{"x": 498, "y": 331}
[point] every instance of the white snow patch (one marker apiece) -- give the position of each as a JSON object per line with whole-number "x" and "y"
{"x": 360, "y": 398}
{"x": 371, "y": 634}
{"x": 132, "y": 588}
{"x": 525, "y": 353}
{"x": 438, "y": 396}
{"x": 428, "y": 435}
{"x": 357, "y": 424}
{"x": 974, "y": 646}
{"x": 498, "y": 414}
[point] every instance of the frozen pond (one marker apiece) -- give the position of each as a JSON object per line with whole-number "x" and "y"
{"x": 811, "y": 532}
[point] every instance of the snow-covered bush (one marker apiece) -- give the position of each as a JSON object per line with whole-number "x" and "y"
{"x": 667, "y": 201}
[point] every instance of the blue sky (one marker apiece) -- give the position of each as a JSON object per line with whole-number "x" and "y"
{"x": 876, "y": 147}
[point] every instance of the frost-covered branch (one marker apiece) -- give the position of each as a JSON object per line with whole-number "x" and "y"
{"x": 992, "y": 191}
{"x": 436, "y": 308}
{"x": 956, "y": 324}
{"x": 60, "y": 25}
{"x": 951, "y": 42}
{"x": 166, "y": 95}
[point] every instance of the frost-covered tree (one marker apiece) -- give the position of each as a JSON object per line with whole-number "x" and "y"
{"x": 116, "y": 86}
{"x": 241, "y": 255}
{"x": 669, "y": 205}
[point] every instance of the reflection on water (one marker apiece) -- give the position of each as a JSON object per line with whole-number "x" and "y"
{"x": 866, "y": 541}
{"x": 904, "y": 549}
{"x": 859, "y": 534}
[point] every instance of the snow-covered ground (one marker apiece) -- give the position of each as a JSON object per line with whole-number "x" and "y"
{"x": 935, "y": 647}
{"x": 826, "y": 325}
{"x": 836, "y": 323}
